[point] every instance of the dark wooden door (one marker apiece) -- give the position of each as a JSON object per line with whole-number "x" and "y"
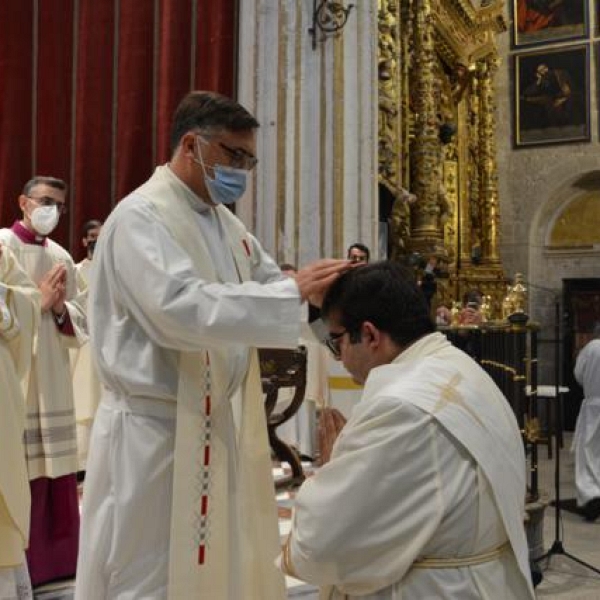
{"x": 581, "y": 302}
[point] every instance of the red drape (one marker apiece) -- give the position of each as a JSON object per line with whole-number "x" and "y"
{"x": 88, "y": 88}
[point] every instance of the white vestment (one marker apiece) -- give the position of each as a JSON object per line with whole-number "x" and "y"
{"x": 86, "y": 385}
{"x": 586, "y": 443}
{"x": 430, "y": 467}
{"x": 149, "y": 308}
{"x": 51, "y": 445}
{"x": 19, "y": 315}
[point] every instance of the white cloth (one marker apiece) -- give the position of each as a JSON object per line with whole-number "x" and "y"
{"x": 586, "y": 442}
{"x": 404, "y": 484}
{"x": 51, "y": 444}
{"x": 19, "y": 316}
{"x": 19, "y": 303}
{"x": 15, "y": 583}
{"x": 86, "y": 385}
{"x": 143, "y": 314}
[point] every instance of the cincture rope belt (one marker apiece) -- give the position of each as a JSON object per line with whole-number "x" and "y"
{"x": 466, "y": 561}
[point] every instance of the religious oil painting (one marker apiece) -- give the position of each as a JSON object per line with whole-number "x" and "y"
{"x": 552, "y": 96}
{"x": 547, "y": 21}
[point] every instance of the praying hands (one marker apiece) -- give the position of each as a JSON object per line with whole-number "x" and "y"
{"x": 53, "y": 287}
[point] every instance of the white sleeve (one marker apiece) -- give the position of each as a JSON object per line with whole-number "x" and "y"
{"x": 374, "y": 506}
{"x": 156, "y": 281}
{"x": 9, "y": 325}
{"x": 580, "y": 366}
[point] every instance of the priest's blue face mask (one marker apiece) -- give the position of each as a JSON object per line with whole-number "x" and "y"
{"x": 228, "y": 184}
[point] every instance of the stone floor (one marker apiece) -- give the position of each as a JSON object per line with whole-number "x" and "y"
{"x": 564, "y": 579}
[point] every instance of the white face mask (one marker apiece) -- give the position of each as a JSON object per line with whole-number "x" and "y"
{"x": 44, "y": 219}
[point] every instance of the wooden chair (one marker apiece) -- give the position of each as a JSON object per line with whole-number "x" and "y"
{"x": 281, "y": 368}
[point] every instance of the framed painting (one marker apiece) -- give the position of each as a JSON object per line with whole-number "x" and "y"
{"x": 548, "y": 21}
{"x": 552, "y": 96}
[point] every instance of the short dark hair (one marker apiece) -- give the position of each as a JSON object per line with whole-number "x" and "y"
{"x": 206, "y": 111}
{"x": 360, "y": 247}
{"x": 89, "y": 225}
{"x": 383, "y": 293}
{"x": 54, "y": 182}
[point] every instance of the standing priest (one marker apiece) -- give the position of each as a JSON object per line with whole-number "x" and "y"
{"x": 50, "y": 440}
{"x": 179, "y": 498}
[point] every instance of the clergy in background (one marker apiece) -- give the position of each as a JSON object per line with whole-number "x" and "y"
{"x": 586, "y": 441}
{"x": 19, "y": 316}
{"x": 50, "y": 442}
{"x": 86, "y": 385}
{"x": 424, "y": 494}
{"x": 178, "y": 500}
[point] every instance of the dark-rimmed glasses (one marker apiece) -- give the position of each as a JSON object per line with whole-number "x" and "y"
{"x": 47, "y": 201}
{"x": 240, "y": 159}
{"x": 333, "y": 341}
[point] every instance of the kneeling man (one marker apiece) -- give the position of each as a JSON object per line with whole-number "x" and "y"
{"x": 424, "y": 494}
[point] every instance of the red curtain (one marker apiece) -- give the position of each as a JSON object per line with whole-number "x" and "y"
{"x": 87, "y": 90}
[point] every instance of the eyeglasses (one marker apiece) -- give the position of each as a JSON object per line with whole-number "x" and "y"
{"x": 333, "y": 341}
{"x": 240, "y": 159}
{"x": 47, "y": 201}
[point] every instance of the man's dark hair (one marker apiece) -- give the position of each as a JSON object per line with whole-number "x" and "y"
{"x": 89, "y": 225}
{"x": 59, "y": 184}
{"x": 383, "y": 293}
{"x": 360, "y": 247}
{"x": 209, "y": 111}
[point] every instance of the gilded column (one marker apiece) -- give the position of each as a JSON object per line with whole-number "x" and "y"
{"x": 391, "y": 65}
{"x": 470, "y": 222}
{"x": 489, "y": 171}
{"x": 389, "y": 95}
{"x": 425, "y": 151}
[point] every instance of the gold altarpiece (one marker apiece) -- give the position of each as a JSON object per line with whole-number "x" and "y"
{"x": 437, "y": 138}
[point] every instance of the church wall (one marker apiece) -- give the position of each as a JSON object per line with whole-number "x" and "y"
{"x": 315, "y": 189}
{"x": 535, "y": 183}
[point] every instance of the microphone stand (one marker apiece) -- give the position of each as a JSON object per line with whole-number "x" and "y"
{"x": 558, "y": 547}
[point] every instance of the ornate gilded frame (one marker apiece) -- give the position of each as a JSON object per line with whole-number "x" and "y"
{"x": 555, "y": 110}
{"x": 566, "y": 21}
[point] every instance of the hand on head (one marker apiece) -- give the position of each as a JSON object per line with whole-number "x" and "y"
{"x": 314, "y": 279}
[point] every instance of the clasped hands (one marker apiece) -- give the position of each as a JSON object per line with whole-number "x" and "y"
{"x": 53, "y": 287}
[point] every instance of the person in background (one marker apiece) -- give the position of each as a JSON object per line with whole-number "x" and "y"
{"x": 358, "y": 253}
{"x": 424, "y": 494}
{"x": 19, "y": 317}
{"x": 50, "y": 439}
{"x": 586, "y": 443}
{"x": 471, "y": 314}
{"x": 86, "y": 384}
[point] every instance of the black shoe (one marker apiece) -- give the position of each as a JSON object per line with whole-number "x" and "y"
{"x": 536, "y": 574}
{"x": 591, "y": 510}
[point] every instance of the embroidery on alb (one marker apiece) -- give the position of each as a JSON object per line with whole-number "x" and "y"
{"x": 203, "y": 481}
{"x": 450, "y": 395}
